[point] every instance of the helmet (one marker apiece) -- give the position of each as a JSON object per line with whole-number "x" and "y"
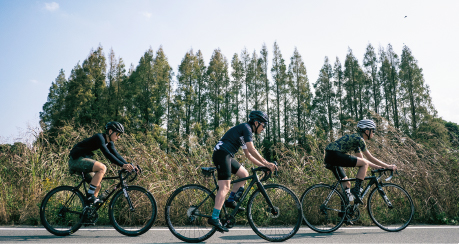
{"x": 366, "y": 124}
{"x": 258, "y": 116}
{"x": 114, "y": 126}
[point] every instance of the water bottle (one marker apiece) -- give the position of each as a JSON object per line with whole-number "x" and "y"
{"x": 104, "y": 195}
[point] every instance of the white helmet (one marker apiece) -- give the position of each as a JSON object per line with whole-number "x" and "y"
{"x": 366, "y": 124}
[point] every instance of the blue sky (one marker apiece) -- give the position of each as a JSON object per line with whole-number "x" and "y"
{"x": 38, "y": 38}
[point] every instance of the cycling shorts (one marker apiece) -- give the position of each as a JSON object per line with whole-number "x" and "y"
{"x": 84, "y": 165}
{"x": 225, "y": 164}
{"x": 334, "y": 160}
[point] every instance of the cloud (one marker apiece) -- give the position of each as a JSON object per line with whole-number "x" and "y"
{"x": 34, "y": 81}
{"x": 52, "y": 6}
{"x": 147, "y": 15}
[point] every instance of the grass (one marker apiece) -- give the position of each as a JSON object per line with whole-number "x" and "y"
{"x": 27, "y": 173}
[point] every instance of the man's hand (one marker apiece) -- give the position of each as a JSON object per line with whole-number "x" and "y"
{"x": 393, "y": 167}
{"x": 129, "y": 167}
{"x": 272, "y": 167}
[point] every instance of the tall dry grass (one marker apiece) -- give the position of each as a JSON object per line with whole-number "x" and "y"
{"x": 430, "y": 175}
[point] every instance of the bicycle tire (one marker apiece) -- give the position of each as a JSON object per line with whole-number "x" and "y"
{"x": 61, "y": 211}
{"x": 179, "y": 213}
{"x": 268, "y": 225}
{"x": 392, "y": 219}
{"x": 137, "y": 221}
{"x": 320, "y": 215}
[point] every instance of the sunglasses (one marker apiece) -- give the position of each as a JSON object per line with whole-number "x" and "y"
{"x": 264, "y": 124}
{"x": 118, "y": 134}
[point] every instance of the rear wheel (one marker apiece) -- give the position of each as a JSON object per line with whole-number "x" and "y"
{"x": 187, "y": 211}
{"x": 323, "y": 208}
{"x": 136, "y": 220}
{"x": 61, "y": 210}
{"x": 391, "y": 209}
{"x": 278, "y": 223}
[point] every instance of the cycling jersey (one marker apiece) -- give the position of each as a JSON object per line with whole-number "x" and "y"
{"x": 86, "y": 147}
{"x": 234, "y": 138}
{"x": 348, "y": 143}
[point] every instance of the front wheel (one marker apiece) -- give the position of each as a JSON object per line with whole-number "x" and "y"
{"x": 391, "y": 207}
{"x": 61, "y": 210}
{"x": 187, "y": 211}
{"x": 323, "y": 208}
{"x": 277, "y": 223}
{"x": 132, "y": 212}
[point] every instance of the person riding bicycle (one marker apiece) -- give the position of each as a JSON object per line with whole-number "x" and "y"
{"x": 80, "y": 157}
{"x": 223, "y": 159}
{"x": 336, "y": 157}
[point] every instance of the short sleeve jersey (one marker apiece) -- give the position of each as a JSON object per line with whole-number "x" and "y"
{"x": 86, "y": 147}
{"x": 347, "y": 143}
{"x": 234, "y": 138}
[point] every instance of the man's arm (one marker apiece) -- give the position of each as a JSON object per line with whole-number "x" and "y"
{"x": 377, "y": 161}
{"x": 252, "y": 154}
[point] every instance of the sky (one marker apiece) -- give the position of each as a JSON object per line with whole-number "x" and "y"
{"x": 39, "y": 38}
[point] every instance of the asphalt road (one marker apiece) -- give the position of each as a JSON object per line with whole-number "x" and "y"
{"x": 412, "y": 234}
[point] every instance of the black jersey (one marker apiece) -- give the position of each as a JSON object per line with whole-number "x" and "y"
{"x": 86, "y": 147}
{"x": 234, "y": 138}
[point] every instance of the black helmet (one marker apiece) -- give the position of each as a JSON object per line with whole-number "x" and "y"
{"x": 114, "y": 126}
{"x": 258, "y": 116}
{"x": 366, "y": 124}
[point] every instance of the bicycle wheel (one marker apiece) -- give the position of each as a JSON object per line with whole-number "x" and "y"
{"x": 280, "y": 223}
{"x": 392, "y": 208}
{"x": 61, "y": 210}
{"x": 136, "y": 220}
{"x": 323, "y": 208}
{"x": 187, "y": 212}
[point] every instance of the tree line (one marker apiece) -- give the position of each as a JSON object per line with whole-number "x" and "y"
{"x": 201, "y": 98}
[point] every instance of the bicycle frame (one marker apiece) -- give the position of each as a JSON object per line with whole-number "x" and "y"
{"x": 121, "y": 183}
{"x": 373, "y": 180}
{"x": 253, "y": 180}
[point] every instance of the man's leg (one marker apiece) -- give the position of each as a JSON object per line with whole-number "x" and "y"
{"x": 99, "y": 169}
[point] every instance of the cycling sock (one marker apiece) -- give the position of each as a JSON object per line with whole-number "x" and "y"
{"x": 92, "y": 189}
{"x": 216, "y": 213}
{"x": 231, "y": 197}
{"x": 358, "y": 183}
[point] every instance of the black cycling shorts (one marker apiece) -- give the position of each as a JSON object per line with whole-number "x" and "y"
{"x": 225, "y": 164}
{"x": 334, "y": 160}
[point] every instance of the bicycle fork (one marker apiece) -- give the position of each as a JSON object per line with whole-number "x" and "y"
{"x": 384, "y": 196}
{"x": 274, "y": 211}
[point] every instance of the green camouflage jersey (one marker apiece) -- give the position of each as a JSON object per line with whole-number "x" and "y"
{"x": 348, "y": 143}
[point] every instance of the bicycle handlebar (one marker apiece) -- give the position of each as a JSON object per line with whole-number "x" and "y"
{"x": 381, "y": 171}
{"x": 267, "y": 172}
{"x": 137, "y": 172}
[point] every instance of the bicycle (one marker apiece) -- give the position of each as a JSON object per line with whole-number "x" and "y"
{"x": 273, "y": 211}
{"x": 325, "y": 208}
{"x": 132, "y": 209}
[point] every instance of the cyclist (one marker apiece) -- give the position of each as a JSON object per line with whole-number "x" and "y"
{"x": 81, "y": 161}
{"x": 336, "y": 157}
{"x": 223, "y": 158}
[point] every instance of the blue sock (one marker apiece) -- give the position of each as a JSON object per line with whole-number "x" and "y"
{"x": 215, "y": 213}
{"x": 231, "y": 197}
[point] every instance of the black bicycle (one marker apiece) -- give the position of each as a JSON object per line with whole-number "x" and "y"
{"x": 325, "y": 208}
{"x": 273, "y": 211}
{"x": 132, "y": 209}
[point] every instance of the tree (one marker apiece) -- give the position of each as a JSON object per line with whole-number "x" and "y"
{"x": 415, "y": 92}
{"x": 186, "y": 82}
{"x": 324, "y": 103}
{"x": 370, "y": 63}
{"x": 52, "y": 116}
{"x": 237, "y": 74}
{"x": 279, "y": 75}
{"x": 218, "y": 75}
{"x": 339, "y": 84}
{"x": 301, "y": 95}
